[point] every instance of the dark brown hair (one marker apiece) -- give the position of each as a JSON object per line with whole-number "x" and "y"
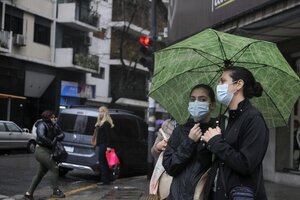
{"x": 209, "y": 90}
{"x": 46, "y": 115}
{"x": 251, "y": 87}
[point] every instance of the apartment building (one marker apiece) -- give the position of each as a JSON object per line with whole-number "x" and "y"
{"x": 59, "y": 53}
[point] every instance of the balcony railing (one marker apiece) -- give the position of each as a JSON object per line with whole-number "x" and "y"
{"x": 67, "y": 58}
{"x": 78, "y": 17}
{"x": 5, "y": 41}
{"x": 87, "y": 61}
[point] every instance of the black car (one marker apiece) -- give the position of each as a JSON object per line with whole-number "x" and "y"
{"x": 129, "y": 138}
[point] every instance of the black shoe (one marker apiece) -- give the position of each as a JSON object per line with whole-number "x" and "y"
{"x": 57, "y": 193}
{"x": 27, "y": 197}
{"x": 104, "y": 183}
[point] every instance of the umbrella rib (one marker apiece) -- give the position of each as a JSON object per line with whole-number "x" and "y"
{"x": 221, "y": 46}
{"x": 262, "y": 65}
{"x": 199, "y": 52}
{"x": 276, "y": 107}
{"x": 241, "y": 52}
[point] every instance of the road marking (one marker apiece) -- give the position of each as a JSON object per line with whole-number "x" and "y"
{"x": 76, "y": 191}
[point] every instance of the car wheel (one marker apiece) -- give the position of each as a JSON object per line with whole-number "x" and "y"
{"x": 31, "y": 147}
{"x": 62, "y": 171}
{"x": 116, "y": 171}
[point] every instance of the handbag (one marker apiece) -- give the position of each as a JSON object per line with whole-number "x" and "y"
{"x": 112, "y": 158}
{"x": 94, "y": 137}
{"x": 164, "y": 185}
{"x": 59, "y": 153}
{"x": 241, "y": 193}
{"x": 199, "y": 191}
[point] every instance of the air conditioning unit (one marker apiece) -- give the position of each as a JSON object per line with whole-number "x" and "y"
{"x": 19, "y": 40}
{"x": 87, "y": 40}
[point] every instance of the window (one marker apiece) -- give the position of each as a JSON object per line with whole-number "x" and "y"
{"x": 67, "y": 122}
{"x": 125, "y": 129}
{"x": 2, "y": 127}
{"x": 90, "y": 125}
{"x": 42, "y": 29}
{"x": 13, "y": 20}
{"x": 101, "y": 73}
{"x": 12, "y": 127}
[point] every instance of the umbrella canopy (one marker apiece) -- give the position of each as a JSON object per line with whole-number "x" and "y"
{"x": 203, "y": 57}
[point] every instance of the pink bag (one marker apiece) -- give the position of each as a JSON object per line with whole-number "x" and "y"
{"x": 112, "y": 158}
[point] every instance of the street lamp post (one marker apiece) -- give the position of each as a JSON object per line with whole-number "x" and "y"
{"x": 151, "y": 102}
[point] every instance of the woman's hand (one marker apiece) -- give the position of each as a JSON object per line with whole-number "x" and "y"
{"x": 211, "y": 132}
{"x": 195, "y": 133}
{"x": 161, "y": 146}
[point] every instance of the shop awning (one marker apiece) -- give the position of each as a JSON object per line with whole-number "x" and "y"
{"x": 10, "y": 96}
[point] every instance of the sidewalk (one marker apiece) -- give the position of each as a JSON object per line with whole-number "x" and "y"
{"x": 136, "y": 188}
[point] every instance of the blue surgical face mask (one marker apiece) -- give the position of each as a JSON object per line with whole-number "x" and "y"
{"x": 198, "y": 109}
{"x": 223, "y": 96}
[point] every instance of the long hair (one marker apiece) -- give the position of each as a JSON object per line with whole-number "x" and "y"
{"x": 106, "y": 117}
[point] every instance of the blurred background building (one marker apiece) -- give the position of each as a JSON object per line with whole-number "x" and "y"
{"x": 60, "y": 53}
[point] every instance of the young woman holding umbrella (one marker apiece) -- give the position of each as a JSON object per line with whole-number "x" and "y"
{"x": 186, "y": 157}
{"x": 239, "y": 149}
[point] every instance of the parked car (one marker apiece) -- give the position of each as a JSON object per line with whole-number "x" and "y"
{"x": 13, "y": 137}
{"x": 128, "y": 137}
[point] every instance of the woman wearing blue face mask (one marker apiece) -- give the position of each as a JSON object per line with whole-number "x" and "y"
{"x": 186, "y": 157}
{"x": 239, "y": 148}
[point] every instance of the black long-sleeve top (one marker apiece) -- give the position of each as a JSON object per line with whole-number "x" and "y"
{"x": 239, "y": 152}
{"x": 103, "y": 134}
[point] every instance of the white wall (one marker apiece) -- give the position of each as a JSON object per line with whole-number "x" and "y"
{"x": 101, "y": 47}
{"x": 270, "y": 173}
{"x": 32, "y": 50}
{"x": 41, "y": 7}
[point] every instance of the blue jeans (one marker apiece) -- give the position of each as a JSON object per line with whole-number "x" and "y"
{"x": 241, "y": 193}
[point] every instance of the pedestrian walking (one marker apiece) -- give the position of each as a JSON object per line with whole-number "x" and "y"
{"x": 186, "y": 158}
{"x": 239, "y": 149}
{"x": 103, "y": 126}
{"x": 48, "y": 133}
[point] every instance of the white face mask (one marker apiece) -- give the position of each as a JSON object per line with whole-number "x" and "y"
{"x": 223, "y": 95}
{"x": 198, "y": 109}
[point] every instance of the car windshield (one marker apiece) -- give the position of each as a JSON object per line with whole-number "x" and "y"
{"x": 79, "y": 124}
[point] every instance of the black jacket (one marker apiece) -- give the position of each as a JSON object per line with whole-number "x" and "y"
{"x": 186, "y": 160}
{"x": 48, "y": 134}
{"x": 239, "y": 152}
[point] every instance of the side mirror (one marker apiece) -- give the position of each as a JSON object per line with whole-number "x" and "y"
{"x": 26, "y": 130}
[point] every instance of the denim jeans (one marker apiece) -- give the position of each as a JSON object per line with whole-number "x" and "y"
{"x": 241, "y": 193}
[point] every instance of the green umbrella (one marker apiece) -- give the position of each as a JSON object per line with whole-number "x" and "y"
{"x": 201, "y": 59}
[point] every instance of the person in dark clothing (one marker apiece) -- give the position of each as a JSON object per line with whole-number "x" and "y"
{"x": 48, "y": 133}
{"x": 103, "y": 126}
{"x": 239, "y": 148}
{"x": 186, "y": 158}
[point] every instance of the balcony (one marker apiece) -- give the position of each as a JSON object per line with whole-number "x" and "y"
{"x": 6, "y": 39}
{"x": 78, "y": 18}
{"x": 68, "y": 59}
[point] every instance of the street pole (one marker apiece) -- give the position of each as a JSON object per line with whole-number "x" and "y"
{"x": 151, "y": 102}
